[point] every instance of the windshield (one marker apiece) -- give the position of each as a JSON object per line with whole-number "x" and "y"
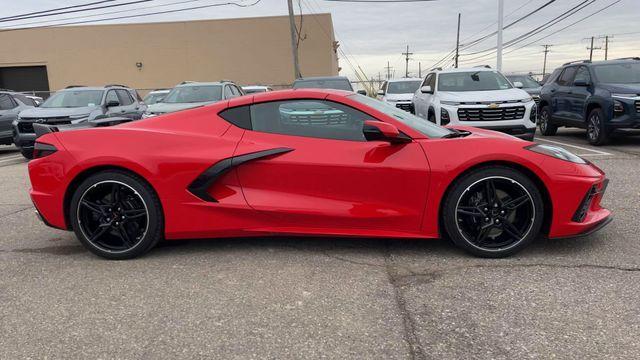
{"x": 421, "y": 125}
{"x": 194, "y": 93}
{"x": 624, "y": 73}
{"x": 527, "y": 81}
{"x": 403, "y": 87}
{"x": 473, "y": 81}
{"x": 73, "y": 99}
{"x": 338, "y": 84}
{"x": 154, "y": 98}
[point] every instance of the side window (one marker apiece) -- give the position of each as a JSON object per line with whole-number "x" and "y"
{"x": 235, "y": 91}
{"x": 124, "y": 97}
{"x": 432, "y": 82}
{"x": 6, "y": 102}
{"x": 384, "y": 86}
{"x": 583, "y": 74}
{"x": 309, "y": 118}
{"x": 426, "y": 80}
{"x": 227, "y": 92}
{"x": 111, "y": 96}
{"x": 566, "y": 77}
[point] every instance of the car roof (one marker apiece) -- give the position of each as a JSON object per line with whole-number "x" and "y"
{"x": 255, "y": 87}
{"x": 194, "y": 83}
{"x": 404, "y": 79}
{"x": 297, "y": 94}
{"x": 324, "y": 78}
{"x": 75, "y": 88}
{"x": 474, "y": 69}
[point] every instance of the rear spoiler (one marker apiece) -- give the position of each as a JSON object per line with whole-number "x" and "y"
{"x": 42, "y": 129}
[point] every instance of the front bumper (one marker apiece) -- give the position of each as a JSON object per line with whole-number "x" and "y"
{"x": 523, "y": 127}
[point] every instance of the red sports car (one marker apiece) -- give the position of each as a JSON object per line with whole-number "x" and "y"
{"x": 308, "y": 162}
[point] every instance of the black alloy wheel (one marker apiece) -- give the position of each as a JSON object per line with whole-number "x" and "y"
{"x": 544, "y": 118}
{"x": 116, "y": 215}
{"x": 493, "y": 212}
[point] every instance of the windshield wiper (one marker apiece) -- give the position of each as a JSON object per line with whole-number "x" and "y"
{"x": 456, "y": 134}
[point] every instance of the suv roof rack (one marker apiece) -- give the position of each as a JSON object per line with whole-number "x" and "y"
{"x": 629, "y": 58}
{"x": 224, "y": 80}
{"x": 116, "y": 85}
{"x": 483, "y": 66}
{"x": 436, "y": 68}
{"x": 186, "y": 82}
{"x": 577, "y": 61}
{"x": 75, "y": 86}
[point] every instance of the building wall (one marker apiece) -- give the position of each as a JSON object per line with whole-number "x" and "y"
{"x": 247, "y": 51}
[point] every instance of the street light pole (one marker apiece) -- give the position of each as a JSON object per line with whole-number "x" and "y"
{"x": 500, "y": 27}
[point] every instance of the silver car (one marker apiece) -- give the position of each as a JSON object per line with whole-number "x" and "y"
{"x": 189, "y": 95}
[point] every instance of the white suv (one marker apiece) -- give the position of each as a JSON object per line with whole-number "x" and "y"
{"x": 399, "y": 92}
{"x": 479, "y": 97}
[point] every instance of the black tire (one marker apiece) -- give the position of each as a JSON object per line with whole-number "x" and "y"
{"x": 544, "y": 122}
{"x": 121, "y": 210}
{"x": 495, "y": 230}
{"x": 597, "y": 133}
{"x": 27, "y": 153}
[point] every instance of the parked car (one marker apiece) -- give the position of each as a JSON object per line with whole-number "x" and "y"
{"x": 526, "y": 83}
{"x": 479, "y": 97}
{"x": 73, "y": 105}
{"x": 155, "y": 96}
{"x": 325, "y": 82}
{"x": 241, "y": 168}
{"x": 11, "y": 103}
{"x": 191, "y": 94}
{"x": 399, "y": 92}
{"x": 256, "y": 89}
{"x": 601, "y": 97}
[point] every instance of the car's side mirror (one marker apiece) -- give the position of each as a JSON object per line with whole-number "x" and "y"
{"x": 381, "y": 92}
{"x": 518, "y": 84}
{"x": 581, "y": 82}
{"x": 112, "y": 103}
{"x": 381, "y": 131}
{"x": 426, "y": 89}
{"x": 362, "y": 92}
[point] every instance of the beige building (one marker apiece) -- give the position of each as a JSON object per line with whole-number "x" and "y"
{"x": 157, "y": 55}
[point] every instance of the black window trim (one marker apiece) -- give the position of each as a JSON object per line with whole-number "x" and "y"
{"x": 12, "y": 100}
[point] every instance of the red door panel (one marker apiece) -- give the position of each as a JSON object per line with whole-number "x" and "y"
{"x": 336, "y": 184}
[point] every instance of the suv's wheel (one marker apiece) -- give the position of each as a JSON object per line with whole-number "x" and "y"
{"x": 493, "y": 212}
{"x": 544, "y": 122}
{"x": 116, "y": 215}
{"x": 27, "y": 153}
{"x": 597, "y": 133}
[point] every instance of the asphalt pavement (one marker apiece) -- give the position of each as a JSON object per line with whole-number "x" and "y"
{"x": 300, "y": 298}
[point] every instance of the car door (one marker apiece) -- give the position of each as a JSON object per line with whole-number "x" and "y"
{"x": 8, "y": 113}
{"x": 561, "y": 99}
{"x": 313, "y": 168}
{"x": 578, "y": 95}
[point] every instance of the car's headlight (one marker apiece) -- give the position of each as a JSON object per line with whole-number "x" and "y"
{"x": 527, "y": 99}
{"x": 625, "y": 95}
{"x": 556, "y": 152}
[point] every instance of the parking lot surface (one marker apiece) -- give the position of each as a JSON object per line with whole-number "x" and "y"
{"x": 325, "y": 297}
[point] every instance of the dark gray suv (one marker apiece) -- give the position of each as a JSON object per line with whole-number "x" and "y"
{"x": 74, "y": 105}
{"x": 11, "y": 103}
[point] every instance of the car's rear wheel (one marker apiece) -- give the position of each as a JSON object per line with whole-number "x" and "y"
{"x": 544, "y": 122}
{"x": 493, "y": 212}
{"x": 27, "y": 153}
{"x": 116, "y": 215}
{"x": 597, "y": 133}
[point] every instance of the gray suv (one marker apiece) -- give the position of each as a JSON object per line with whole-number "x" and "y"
{"x": 11, "y": 103}
{"x": 190, "y": 94}
{"x": 73, "y": 105}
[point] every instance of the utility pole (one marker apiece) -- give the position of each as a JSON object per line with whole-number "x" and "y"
{"x": 458, "y": 41}
{"x": 419, "y": 69}
{"x": 500, "y": 28}
{"x": 294, "y": 42}
{"x": 406, "y": 68}
{"x": 606, "y": 47}
{"x": 591, "y": 48}
{"x": 388, "y": 67}
{"x": 544, "y": 64}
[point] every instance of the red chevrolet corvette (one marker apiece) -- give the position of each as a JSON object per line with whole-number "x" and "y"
{"x": 308, "y": 162}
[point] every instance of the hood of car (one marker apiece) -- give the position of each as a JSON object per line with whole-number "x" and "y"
{"x": 43, "y": 113}
{"x": 399, "y": 97}
{"x": 161, "y": 108}
{"x": 484, "y": 96}
{"x": 622, "y": 88}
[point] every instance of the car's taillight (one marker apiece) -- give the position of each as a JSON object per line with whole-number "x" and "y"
{"x": 41, "y": 150}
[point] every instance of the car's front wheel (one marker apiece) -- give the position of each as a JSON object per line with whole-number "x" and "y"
{"x": 27, "y": 153}
{"x": 544, "y": 122}
{"x": 493, "y": 212}
{"x": 116, "y": 215}
{"x": 597, "y": 132}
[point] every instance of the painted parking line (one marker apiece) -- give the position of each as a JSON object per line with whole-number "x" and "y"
{"x": 10, "y": 158}
{"x": 592, "y": 152}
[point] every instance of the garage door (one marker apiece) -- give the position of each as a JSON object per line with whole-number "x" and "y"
{"x": 25, "y": 78}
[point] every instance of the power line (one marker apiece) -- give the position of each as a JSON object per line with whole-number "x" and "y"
{"x": 56, "y": 9}
{"x": 137, "y": 15}
{"x": 76, "y": 10}
{"x": 380, "y": 1}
